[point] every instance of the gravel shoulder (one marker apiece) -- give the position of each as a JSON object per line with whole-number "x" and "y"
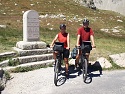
{"x": 41, "y": 82}
{"x": 32, "y": 82}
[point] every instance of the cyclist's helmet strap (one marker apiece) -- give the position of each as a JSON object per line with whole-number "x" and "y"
{"x": 85, "y": 21}
{"x": 62, "y": 26}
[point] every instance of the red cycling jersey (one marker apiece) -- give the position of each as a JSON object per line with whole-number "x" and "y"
{"x": 85, "y": 33}
{"x": 62, "y": 37}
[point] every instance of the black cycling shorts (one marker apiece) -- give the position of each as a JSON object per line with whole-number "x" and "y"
{"x": 66, "y": 53}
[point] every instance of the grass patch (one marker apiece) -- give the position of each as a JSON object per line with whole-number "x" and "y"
{"x": 8, "y": 38}
{"x": 13, "y": 62}
{"x": 6, "y": 58}
{"x": 29, "y": 68}
{"x": 3, "y": 58}
{"x": 107, "y": 43}
{"x": 7, "y": 75}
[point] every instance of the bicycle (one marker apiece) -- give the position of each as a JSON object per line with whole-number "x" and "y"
{"x": 83, "y": 62}
{"x": 58, "y": 49}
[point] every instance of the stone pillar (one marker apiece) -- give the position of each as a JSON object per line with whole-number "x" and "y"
{"x": 30, "y": 26}
{"x": 31, "y": 37}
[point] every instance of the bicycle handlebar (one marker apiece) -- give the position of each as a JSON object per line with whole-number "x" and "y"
{"x": 79, "y": 47}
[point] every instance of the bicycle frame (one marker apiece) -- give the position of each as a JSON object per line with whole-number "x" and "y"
{"x": 84, "y": 61}
{"x": 84, "y": 64}
{"x": 59, "y": 57}
{"x": 57, "y": 66}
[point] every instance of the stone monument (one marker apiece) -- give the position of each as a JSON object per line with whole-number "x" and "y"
{"x": 31, "y": 37}
{"x": 30, "y": 26}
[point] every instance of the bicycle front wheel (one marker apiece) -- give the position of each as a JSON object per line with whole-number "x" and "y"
{"x": 56, "y": 71}
{"x": 85, "y": 69}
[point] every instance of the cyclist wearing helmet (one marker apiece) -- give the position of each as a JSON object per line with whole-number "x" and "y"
{"x": 84, "y": 34}
{"x": 63, "y": 36}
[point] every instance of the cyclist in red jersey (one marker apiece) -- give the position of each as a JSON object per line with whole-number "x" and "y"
{"x": 63, "y": 36}
{"x": 84, "y": 34}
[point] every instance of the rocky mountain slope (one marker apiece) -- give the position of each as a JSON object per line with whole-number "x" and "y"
{"x": 114, "y": 5}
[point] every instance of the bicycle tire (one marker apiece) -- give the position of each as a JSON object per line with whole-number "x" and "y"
{"x": 85, "y": 69}
{"x": 56, "y": 71}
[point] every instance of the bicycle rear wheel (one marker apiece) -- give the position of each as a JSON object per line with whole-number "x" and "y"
{"x": 56, "y": 71}
{"x": 85, "y": 69}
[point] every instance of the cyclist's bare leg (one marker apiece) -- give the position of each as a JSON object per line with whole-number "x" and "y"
{"x": 77, "y": 58}
{"x": 66, "y": 65}
{"x": 54, "y": 55}
{"x": 87, "y": 56}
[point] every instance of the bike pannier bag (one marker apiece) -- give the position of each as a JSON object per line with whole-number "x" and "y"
{"x": 74, "y": 53}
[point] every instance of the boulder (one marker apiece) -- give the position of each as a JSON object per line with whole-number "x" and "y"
{"x": 119, "y": 59}
{"x": 102, "y": 62}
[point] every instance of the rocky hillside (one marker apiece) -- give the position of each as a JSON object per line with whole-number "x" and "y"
{"x": 114, "y": 5}
{"x": 108, "y": 26}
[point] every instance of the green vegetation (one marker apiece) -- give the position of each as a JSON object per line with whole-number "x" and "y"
{"x": 7, "y": 75}
{"x": 8, "y": 38}
{"x": 107, "y": 43}
{"x": 13, "y": 62}
{"x": 29, "y": 68}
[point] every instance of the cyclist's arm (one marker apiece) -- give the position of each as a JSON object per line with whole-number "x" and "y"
{"x": 92, "y": 41}
{"x": 54, "y": 40}
{"x": 78, "y": 40}
{"x": 68, "y": 42}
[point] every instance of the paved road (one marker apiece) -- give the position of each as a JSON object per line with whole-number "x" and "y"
{"x": 41, "y": 82}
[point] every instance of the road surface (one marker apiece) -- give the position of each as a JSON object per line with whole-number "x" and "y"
{"x": 41, "y": 82}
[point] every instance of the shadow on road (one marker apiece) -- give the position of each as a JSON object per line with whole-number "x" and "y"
{"x": 91, "y": 68}
{"x": 74, "y": 73}
{"x": 62, "y": 78}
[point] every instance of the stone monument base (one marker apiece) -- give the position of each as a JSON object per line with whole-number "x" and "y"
{"x": 30, "y": 45}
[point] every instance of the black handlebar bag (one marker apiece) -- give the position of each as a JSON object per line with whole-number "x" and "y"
{"x": 86, "y": 47}
{"x": 59, "y": 46}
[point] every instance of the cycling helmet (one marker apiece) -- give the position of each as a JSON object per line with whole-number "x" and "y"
{"x": 85, "y": 21}
{"x": 62, "y": 26}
